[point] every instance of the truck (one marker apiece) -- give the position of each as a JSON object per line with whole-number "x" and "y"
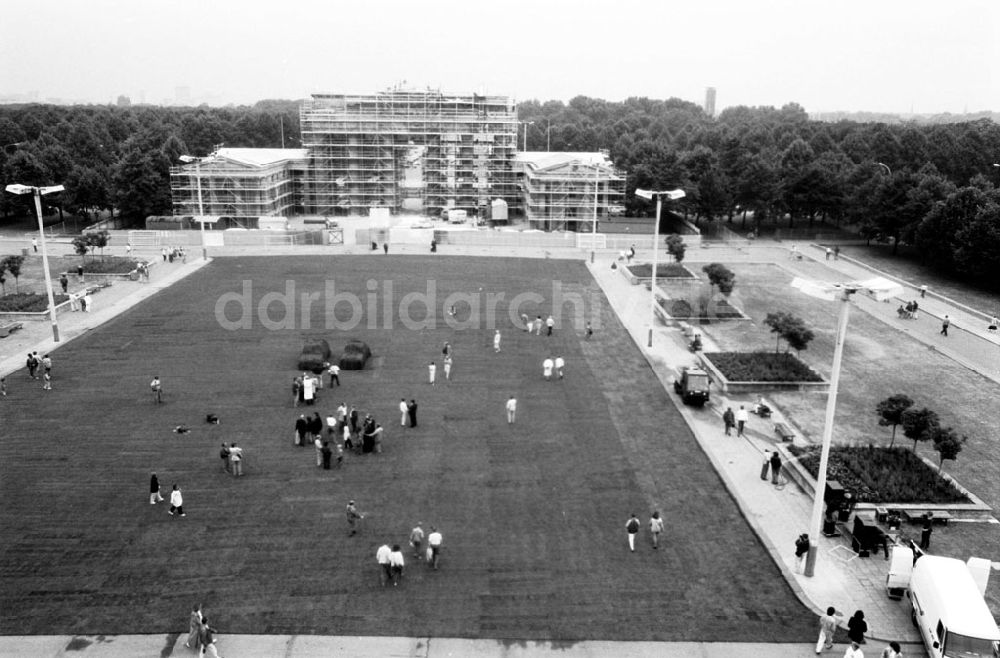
{"x": 949, "y": 610}
{"x": 692, "y": 386}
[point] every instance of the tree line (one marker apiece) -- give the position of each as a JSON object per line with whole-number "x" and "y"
{"x": 930, "y": 186}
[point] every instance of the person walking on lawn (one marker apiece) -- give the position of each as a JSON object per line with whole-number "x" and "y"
{"x": 632, "y": 527}
{"x": 655, "y": 528}
{"x": 434, "y": 541}
{"x": 176, "y": 502}
{"x": 384, "y": 569}
{"x": 396, "y": 563}
{"x": 224, "y": 456}
{"x": 416, "y": 539}
{"x": 353, "y": 516}
{"x": 156, "y": 388}
{"x": 236, "y": 457}
{"x": 154, "y": 489}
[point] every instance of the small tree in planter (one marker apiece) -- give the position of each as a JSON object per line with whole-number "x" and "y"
{"x": 721, "y": 277}
{"x": 99, "y": 240}
{"x": 919, "y": 424}
{"x": 81, "y": 245}
{"x": 890, "y": 412}
{"x": 13, "y": 265}
{"x": 676, "y": 247}
{"x": 948, "y": 444}
{"x": 793, "y": 329}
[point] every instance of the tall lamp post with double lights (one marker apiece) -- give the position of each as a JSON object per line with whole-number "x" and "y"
{"x": 593, "y": 232}
{"x": 525, "y": 142}
{"x": 881, "y": 289}
{"x": 37, "y": 192}
{"x": 673, "y": 195}
{"x": 201, "y": 211}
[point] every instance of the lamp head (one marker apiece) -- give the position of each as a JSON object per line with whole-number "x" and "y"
{"x": 17, "y": 188}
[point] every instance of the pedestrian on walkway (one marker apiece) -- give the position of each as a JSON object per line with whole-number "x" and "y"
{"x": 431, "y": 373}
{"x": 829, "y": 252}
{"x": 434, "y": 541}
{"x": 353, "y": 516}
{"x": 655, "y": 528}
{"x": 854, "y": 651}
{"x": 156, "y": 388}
{"x": 64, "y": 282}
{"x": 589, "y": 332}
{"x": 945, "y": 323}
{"x": 742, "y": 416}
{"x": 923, "y": 291}
{"x": 775, "y": 467}
{"x": 194, "y": 628}
{"x": 176, "y": 502}
{"x": 417, "y": 539}
{"x": 857, "y": 627}
{"x": 632, "y": 527}
{"x": 729, "y": 420}
{"x": 801, "y": 551}
{"x": 396, "y": 564}
{"x": 892, "y": 651}
{"x": 384, "y": 568}
{"x": 925, "y": 531}
{"x": 154, "y": 489}
{"x": 46, "y": 382}
{"x": 994, "y": 323}
{"x": 34, "y": 244}
{"x": 765, "y": 468}
{"x": 236, "y": 457}
{"x": 511, "y": 410}
{"x": 827, "y": 627}
{"x": 208, "y": 640}
{"x": 549, "y": 325}
{"x": 836, "y": 252}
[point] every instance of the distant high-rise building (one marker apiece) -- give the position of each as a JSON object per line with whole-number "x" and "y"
{"x": 710, "y": 101}
{"x": 124, "y": 101}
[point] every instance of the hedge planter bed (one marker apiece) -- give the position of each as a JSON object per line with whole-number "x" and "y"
{"x": 681, "y": 309}
{"x": 643, "y": 272}
{"x": 747, "y": 372}
{"x": 28, "y": 302}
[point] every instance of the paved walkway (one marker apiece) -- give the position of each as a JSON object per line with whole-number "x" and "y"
{"x": 777, "y": 515}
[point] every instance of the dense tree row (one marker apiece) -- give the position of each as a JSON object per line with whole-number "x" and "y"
{"x": 928, "y": 185}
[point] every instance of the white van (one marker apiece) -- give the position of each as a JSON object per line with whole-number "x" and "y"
{"x": 951, "y": 614}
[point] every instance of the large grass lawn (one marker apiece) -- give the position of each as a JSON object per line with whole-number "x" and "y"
{"x": 533, "y": 514}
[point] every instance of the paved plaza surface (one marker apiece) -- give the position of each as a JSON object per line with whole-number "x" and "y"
{"x": 655, "y": 453}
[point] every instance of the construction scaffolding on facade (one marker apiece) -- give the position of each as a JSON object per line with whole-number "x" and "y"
{"x": 237, "y": 182}
{"x": 568, "y": 191}
{"x": 416, "y": 151}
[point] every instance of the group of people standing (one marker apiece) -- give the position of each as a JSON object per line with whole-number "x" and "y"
{"x": 38, "y": 365}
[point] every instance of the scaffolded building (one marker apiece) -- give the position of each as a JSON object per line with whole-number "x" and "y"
{"x": 418, "y": 151}
{"x": 239, "y": 182}
{"x": 569, "y": 191}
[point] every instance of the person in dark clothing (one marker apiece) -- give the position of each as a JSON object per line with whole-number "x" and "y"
{"x": 925, "y": 532}
{"x": 775, "y": 466}
{"x": 327, "y": 455}
{"x": 316, "y": 425}
{"x": 729, "y": 420}
{"x": 411, "y": 409}
{"x": 64, "y": 282}
{"x": 354, "y": 420}
{"x": 857, "y": 627}
{"x": 301, "y": 427}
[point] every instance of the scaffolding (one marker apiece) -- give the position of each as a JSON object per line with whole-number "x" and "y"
{"x": 240, "y": 183}
{"x": 415, "y": 150}
{"x": 565, "y": 191}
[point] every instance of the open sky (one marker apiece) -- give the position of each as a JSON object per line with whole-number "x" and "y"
{"x": 876, "y": 55}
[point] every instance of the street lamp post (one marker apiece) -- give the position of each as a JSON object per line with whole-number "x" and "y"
{"x": 37, "y": 192}
{"x": 593, "y": 233}
{"x": 881, "y": 289}
{"x": 673, "y": 195}
{"x": 525, "y": 141}
{"x": 201, "y": 210}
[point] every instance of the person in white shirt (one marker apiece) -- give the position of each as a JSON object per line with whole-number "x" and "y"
{"x": 236, "y": 457}
{"x": 447, "y": 368}
{"x": 416, "y": 539}
{"x": 496, "y": 341}
{"x": 434, "y": 545}
{"x": 402, "y": 412}
{"x": 511, "y": 410}
{"x": 560, "y": 364}
{"x": 547, "y": 366}
{"x": 334, "y": 371}
{"x": 176, "y": 502}
{"x": 549, "y": 324}
{"x": 742, "y": 416}
{"x": 655, "y": 528}
{"x": 431, "y": 373}
{"x": 396, "y": 564}
{"x": 854, "y": 651}
{"x": 382, "y": 557}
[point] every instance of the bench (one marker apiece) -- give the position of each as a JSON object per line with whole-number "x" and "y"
{"x": 7, "y": 329}
{"x": 784, "y": 432}
{"x": 917, "y": 516}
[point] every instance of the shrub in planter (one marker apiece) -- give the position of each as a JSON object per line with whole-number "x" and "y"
{"x": 663, "y": 271}
{"x": 679, "y": 308}
{"x": 762, "y": 367}
{"x": 113, "y": 265}
{"x": 28, "y": 302}
{"x": 883, "y": 475}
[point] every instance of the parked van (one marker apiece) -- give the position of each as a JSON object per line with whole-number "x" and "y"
{"x": 951, "y": 614}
